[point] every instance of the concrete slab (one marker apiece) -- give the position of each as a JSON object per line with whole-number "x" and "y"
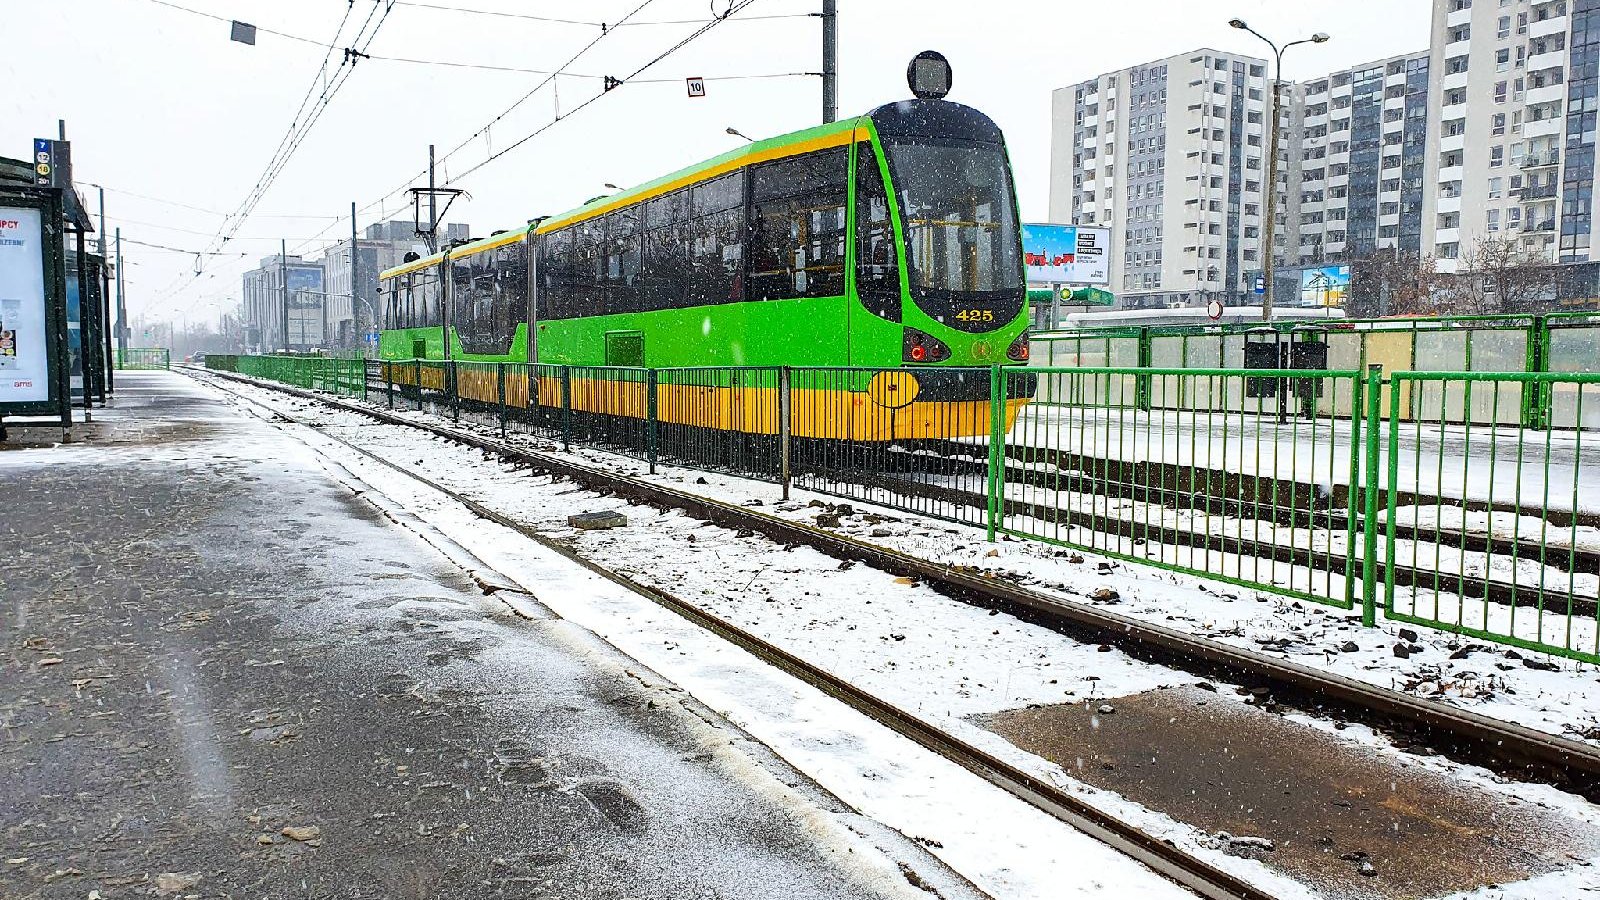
{"x": 221, "y": 675}
{"x": 1326, "y": 806}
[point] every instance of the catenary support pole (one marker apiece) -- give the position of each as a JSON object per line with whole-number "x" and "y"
{"x": 283, "y": 286}
{"x": 830, "y": 60}
{"x": 355, "y": 279}
{"x": 122, "y": 302}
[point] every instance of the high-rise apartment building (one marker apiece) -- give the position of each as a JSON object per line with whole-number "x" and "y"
{"x": 1170, "y": 155}
{"x": 1512, "y": 155}
{"x": 1361, "y": 149}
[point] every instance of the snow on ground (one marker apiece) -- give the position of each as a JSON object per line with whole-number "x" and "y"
{"x": 947, "y": 660}
{"x": 1006, "y": 847}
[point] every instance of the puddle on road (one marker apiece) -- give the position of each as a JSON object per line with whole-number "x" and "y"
{"x": 1326, "y": 805}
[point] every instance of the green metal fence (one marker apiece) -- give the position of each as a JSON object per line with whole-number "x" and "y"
{"x": 136, "y": 358}
{"x": 1223, "y": 473}
{"x": 1426, "y": 497}
{"x": 1491, "y": 531}
{"x": 345, "y": 377}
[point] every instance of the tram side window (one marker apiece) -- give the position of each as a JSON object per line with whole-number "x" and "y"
{"x": 623, "y": 260}
{"x": 797, "y": 235}
{"x": 586, "y": 295}
{"x": 716, "y": 249}
{"x": 555, "y": 275}
{"x": 460, "y": 302}
{"x": 423, "y": 303}
{"x": 511, "y": 291}
{"x": 877, "y": 274}
{"x": 666, "y": 252}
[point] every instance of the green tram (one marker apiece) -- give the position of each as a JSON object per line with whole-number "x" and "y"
{"x": 879, "y": 256}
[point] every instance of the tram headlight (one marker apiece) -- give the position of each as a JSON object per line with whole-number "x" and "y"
{"x": 1018, "y": 351}
{"x": 923, "y": 348}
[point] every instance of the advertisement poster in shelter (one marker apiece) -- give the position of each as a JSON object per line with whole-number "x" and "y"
{"x": 24, "y": 357}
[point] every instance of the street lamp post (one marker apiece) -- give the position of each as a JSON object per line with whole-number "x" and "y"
{"x": 1272, "y": 159}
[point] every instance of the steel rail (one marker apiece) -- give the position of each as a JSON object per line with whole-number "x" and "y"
{"x": 1510, "y": 749}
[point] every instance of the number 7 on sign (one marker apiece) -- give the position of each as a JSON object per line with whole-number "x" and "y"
{"x": 697, "y": 86}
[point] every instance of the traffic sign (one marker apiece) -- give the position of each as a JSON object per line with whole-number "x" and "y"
{"x": 1214, "y": 309}
{"x": 1261, "y": 284}
{"x": 696, "y": 85}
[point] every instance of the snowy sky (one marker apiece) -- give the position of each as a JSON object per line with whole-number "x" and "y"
{"x": 159, "y": 102}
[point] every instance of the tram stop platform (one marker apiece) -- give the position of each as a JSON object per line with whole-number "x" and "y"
{"x": 223, "y": 673}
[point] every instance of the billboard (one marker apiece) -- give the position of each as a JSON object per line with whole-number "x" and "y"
{"x": 1067, "y": 254}
{"x": 24, "y": 347}
{"x": 1325, "y": 286}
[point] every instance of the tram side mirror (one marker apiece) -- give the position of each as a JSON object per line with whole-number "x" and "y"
{"x": 929, "y": 75}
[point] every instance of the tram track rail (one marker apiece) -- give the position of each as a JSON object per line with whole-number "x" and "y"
{"x": 1512, "y": 750}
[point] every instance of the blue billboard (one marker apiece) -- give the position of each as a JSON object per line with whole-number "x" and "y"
{"x": 1067, "y": 254}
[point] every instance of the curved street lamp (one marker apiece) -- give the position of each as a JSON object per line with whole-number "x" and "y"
{"x": 1272, "y": 158}
{"x": 737, "y": 133}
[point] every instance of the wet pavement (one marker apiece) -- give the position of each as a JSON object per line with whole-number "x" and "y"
{"x": 224, "y": 675}
{"x": 1343, "y": 819}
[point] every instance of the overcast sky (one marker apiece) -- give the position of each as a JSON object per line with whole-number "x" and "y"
{"x": 159, "y": 102}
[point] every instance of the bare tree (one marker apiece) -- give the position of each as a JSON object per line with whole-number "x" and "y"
{"x": 1497, "y": 275}
{"x": 1390, "y": 282}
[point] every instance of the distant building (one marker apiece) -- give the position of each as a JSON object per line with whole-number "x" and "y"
{"x": 263, "y": 306}
{"x": 382, "y": 246}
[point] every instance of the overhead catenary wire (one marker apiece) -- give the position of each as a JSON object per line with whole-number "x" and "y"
{"x": 301, "y": 124}
{"x": 605, "y": 26}
{"x": 548, "y": 79}
{"x": 734, "y": 6}
{"x": 718, "y": 17}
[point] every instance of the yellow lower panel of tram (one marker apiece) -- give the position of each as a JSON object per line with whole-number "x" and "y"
{"x": 825, "y": 413}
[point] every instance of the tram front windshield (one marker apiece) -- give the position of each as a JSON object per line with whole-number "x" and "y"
{"x": 963, "y": 250}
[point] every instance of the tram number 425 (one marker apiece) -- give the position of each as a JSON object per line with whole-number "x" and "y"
{"x": 975, "y": 315}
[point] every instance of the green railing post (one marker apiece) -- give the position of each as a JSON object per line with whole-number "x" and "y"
{"x": 1369, "y": 524}
{"x": 650, "y": 416}
{"x": 1353, "y": 508}
{"x": 500, "y": 377}
{"x": 1142, "y": 382}
{"x": 997, "y": 435}
{"x": 783, "y": 428}
{"x": 566, "y": 407}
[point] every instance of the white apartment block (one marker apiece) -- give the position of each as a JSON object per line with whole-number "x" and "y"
{"x": 1170, "y": 155}
{"x": 1512, "y": 153}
